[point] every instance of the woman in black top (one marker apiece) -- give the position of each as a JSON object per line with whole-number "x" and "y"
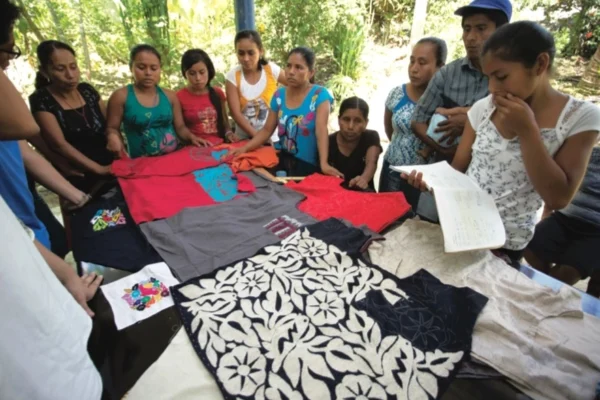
{"x": 354, "y": 150}
{"x": 71, "y": 115}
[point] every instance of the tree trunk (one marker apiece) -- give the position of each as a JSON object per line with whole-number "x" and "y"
{"x": 590, "y": 83}
{"x": 124, "y": 12}
{"x": 84, "y": 43}
{"x": 418, "y": 22}
{"x": 156, "y": 13}
{"x": 30, "y": 22}
{"x": 59, "y": 32}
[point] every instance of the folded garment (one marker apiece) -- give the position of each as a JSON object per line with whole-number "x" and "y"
{"x": 263, "y": 157}
{"x": 198, "y": 240}
{"x": 326, "y": 198}
{"x": 305, "y": 319}
{"x": 160, "y": 187}
{"x": 180, "y": 162}
{"x": 539, "y": 339}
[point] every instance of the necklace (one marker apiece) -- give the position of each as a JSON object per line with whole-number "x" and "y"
{"x": 80, "y": 113}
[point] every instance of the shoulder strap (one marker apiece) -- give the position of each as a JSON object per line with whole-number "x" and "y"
{"x": 238, "y": 79}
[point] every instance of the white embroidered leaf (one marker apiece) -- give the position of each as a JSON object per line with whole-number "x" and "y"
{"x": 342, "y": 358}
{"x": 211, "y": 355}
{"x": 375, "y": 337}
{"x": 314, "y": 388}
{"x": 415, "y": 391}
{"x": 428, "y": 382}
{"x": 440, "y": 363}
{"x": 316, "y": 363}
{"x": 358, "y": 321}
{"x": 330, "y": 331}
{"x": 278, "y": 386}
{"x": 191, "y": 291}
{"x": 217, "y": 343}
{"x": 291, "y": 367}
{"x": 203, "y": 336}
{"x": 297, "y": 299}
{"x": 195, "y": 323}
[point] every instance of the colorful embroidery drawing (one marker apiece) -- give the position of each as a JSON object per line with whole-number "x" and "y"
{"x": 107, "y": 219}
{"x": 143, "y": 294}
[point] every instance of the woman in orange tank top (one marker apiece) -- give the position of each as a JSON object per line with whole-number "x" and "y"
{"x": 251, "y": 85}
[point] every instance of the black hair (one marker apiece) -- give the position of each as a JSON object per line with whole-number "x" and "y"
{"x": 498, "y": 17}
{"x": 352, "y": 103}
{"x": 441, "y": 50}
{"x": 195, "y": 56}
{"x": 9, "y": 13}
{"x": 522, "y": 42}
{"x": 44, "y": 51}
{"x": 140, "y": 48}
{"x": 255, "y": 37}
{"x": 309, "y": 58}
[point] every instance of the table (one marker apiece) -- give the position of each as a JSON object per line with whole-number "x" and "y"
{"x": 123, "y": 356}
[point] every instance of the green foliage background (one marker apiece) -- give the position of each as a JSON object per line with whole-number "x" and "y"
{"x": 103, "y": 31}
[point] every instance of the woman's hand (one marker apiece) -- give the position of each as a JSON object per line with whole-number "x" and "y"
{"x": 515, "y": 116}
{"x": 415, "y": 179}
{"x": 115, "y": 145}
{"x": 103, "y": 170}
{"x": 232, "y": 137}
{"x": 83, "y": 289}
{"x": 359, "y": 182}
{"x": 233, "y": 153}
{"x": 199, "y": 142}
{"x": 329, "y": 170}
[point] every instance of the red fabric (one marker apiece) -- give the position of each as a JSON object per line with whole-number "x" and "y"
{"x": 179, "y": 162}
{"x": 200, "y": 115}
{"x": 263, "y": 157}
{"x": 159, "y": 197}
{"x": 160, "y": 187}
{"x": 325, "y": 198}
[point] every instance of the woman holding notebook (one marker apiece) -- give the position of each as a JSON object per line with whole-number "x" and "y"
{"x": 526, "y": 143}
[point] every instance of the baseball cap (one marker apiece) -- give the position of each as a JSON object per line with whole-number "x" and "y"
{"x": 500, "y": 5}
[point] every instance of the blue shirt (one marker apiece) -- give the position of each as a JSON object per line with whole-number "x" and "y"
{"x": 297, "y": 126}
{"x": 14, "y": 190}
{"x": 405, "y": 145}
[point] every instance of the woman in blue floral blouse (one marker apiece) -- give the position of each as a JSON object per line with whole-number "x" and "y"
{"x": 428, "y": 56}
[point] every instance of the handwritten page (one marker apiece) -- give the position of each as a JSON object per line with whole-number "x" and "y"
{"x": 440, "y": 176}
{"x": 468, "y": 216}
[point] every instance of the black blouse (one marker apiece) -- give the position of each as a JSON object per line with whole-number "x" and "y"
{"x": 84, "y": 127}
{"x": 354, "y": 164}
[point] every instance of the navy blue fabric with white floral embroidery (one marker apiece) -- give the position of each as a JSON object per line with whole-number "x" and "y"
{"x": 296, "y": 321}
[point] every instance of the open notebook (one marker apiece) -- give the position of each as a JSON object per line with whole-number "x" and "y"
{"x": 468, "y": 215}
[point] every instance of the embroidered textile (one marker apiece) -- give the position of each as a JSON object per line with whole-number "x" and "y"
{"x": 295, "y": 321}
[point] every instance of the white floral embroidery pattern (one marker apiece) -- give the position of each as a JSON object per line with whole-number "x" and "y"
{"x": 282, "y": 325}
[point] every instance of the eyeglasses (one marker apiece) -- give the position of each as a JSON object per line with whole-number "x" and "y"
{"x": 14, "y": 53}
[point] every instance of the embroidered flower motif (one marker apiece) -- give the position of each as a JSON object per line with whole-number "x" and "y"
{"x": 312, "y": 248}
{"x": 359, "y": 387}
{"x": 252, "y": 284}
{"x": 242, "y": 371}
{"x": 325, "y": 308}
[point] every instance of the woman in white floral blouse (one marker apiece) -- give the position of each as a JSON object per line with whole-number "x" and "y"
{"x": 526, "y": 143}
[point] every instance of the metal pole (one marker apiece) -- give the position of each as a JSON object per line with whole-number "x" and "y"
{"x": 244, "y": 14}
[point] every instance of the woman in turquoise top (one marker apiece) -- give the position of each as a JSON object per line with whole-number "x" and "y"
{"x": 150, "y": 116}
{"x": 300, "y": 112}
